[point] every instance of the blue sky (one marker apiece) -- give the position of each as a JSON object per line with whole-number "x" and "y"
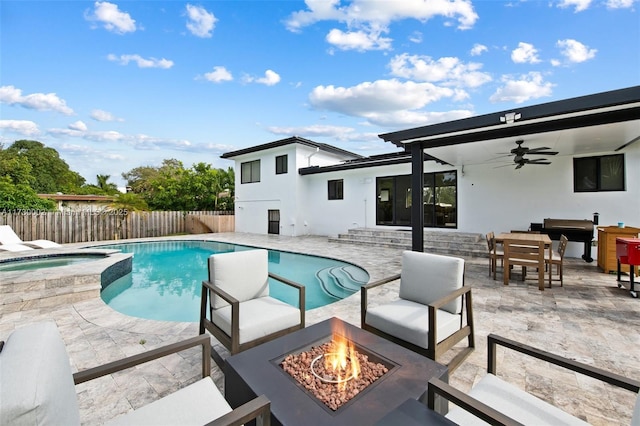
{"x": 114, "y": 85}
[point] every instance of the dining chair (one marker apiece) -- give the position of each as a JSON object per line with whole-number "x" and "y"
{"x": 524, "y": 253}
{"x": 495, "y": 254}
{"x": 557, "y": 259}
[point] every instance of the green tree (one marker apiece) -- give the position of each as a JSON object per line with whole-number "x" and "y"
{"x": 172, "y": 187}
{"x": 50, "y": 173}
{"x": 21, "y": 197}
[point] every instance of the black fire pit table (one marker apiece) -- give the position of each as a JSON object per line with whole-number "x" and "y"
{"x": 257, "y": 371}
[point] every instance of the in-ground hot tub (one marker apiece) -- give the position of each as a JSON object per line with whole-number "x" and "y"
{"x": 48, "y": 278}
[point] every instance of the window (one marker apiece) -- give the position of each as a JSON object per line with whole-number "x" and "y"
{"x": 281, "y": 164}
{"x": 335, "y": 189}
{"x": 393, "y": 204}
{"x": 602, "y": 173}
{"x": 250, "y": 172}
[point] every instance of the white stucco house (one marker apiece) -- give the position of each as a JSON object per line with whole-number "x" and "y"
{"x": 579, "y": 156}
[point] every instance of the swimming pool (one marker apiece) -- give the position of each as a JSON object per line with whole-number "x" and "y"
{"x": 166, "y": 278}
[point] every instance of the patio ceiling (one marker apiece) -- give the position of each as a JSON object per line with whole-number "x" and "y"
{"x": 600, "y": 123}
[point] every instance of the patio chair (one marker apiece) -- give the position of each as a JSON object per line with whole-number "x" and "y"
{"x": 236, "y": 307}
{"x": 8, "y": 236}
{"x": 38, "y": 386}
{"x": 557, "y": 259}
{"x": 14, "y": 247}
{"x": 527, "y": 254}
{"x": 496, "y": 401}
{"x": 433, "y": 311}
{"x": 495, "y": 254}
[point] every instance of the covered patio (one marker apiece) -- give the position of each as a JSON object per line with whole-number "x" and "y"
{"x": 588, "y": 319}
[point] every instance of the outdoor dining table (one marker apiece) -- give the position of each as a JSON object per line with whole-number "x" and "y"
{"x": 526, "y": 236}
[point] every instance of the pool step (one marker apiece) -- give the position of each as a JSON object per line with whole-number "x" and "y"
{"x": 337, "y": 281}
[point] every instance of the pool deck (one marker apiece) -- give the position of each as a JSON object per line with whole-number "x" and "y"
{"x": 588, "y": 319}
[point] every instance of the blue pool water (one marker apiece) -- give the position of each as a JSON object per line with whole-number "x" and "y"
{"x": 166, "y": 279}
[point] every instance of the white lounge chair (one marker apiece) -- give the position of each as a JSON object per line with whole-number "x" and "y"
{"x": 8, "y": 237}
{"x": 14, "y": 247}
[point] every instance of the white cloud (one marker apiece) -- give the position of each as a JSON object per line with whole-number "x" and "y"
{"x": 358, "y": 40}
{"x": 449, "y": 71}
{"x": 38, "y": 101}
{"x": 100, "y": 115}
{"x": 525, "y": 53}
{"x": 140, "y": 61}
{"x": 200, "y": 22}
{"x": 574, "y": 51}
{"x": 526, "y": 87}
{"x": 382, "y": 96}
{"x": 478, "y": 49}
{"x": 22, "y": 127}
{"x": 365, "y": 20}
{"x": 270, "y": 78}
{"x": 111, "y": 18}
{"x": 316, "y": 130}
{"x": 78, "y": 125}
{"x": 219, "y": 74}
{"x": 416, "y": 37}
{"x": 579, "y": 5}
{"x": 620, "y": 4}
{"x": 399, "y": 119}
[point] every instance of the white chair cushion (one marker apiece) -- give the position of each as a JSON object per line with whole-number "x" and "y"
{"x": 36, "y": 380}
{"x": 513, "y": 402}
{"x": 242, "y": 274}
{"x": 635, "y": 417}
{"x": 196, "y": 404}
{"x": 427, "y": 277}
{"x": 409, "y": 321}
{"x": 258, "y": 318}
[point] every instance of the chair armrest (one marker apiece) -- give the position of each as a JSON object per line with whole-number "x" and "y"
{"x": 437, "y": 304}
{"x": 132, "y": 361}
{"x": 363, "y": 294}
{"x": 380, "y": 282}
{"x": 259, "y": 407}
{"x": 588, "y": 370}
{"x": 301, "y": 294}
{"x": 467, "y": 403}
{"x": 220, "y": 292}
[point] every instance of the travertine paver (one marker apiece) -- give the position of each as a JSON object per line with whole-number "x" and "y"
{"x": 589, "y": 319}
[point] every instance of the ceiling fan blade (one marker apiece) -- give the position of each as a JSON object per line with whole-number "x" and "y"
{"x": 542, "y": 148}
{"x": 543, "y": 152}
{"x": 539, "y": 161}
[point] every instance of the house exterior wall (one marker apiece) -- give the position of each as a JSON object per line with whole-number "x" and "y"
{"x": 489, "y": 198}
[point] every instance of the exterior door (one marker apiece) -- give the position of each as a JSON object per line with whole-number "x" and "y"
{"x": 274, "y": 222}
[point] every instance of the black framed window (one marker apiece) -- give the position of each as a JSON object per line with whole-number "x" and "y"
{"x": 250, "y": 172}
{"x": 336, "y": 189}
{"x": 281, "y": 164}
{"x": 440, "y": 195}
{"x": 601, "y": 173}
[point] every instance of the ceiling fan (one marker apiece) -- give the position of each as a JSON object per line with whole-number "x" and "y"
{"x": 520, "y": 151}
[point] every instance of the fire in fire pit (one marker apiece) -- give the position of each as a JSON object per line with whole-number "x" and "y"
{"x": 334, "y": 372}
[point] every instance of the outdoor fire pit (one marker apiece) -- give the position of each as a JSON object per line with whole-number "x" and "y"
{"x": 312, "y": 376}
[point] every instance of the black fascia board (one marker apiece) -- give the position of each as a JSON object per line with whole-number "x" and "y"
{"x": 401, "y": 158}
{"x": 534, "y": 112}
{"x": 288, "y": 141}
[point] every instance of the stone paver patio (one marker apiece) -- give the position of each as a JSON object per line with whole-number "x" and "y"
{"x": 588, "y": 319}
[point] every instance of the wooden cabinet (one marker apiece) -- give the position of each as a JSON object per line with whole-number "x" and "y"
{"x": 607, "y": 260}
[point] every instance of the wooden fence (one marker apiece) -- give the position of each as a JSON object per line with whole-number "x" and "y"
{"x": 84, "y": 226}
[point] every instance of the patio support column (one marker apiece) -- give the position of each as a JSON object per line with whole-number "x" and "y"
{"x": 417, "y": 203}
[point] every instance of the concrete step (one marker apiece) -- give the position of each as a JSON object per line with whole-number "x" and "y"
{"x": 441, "y": 242}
